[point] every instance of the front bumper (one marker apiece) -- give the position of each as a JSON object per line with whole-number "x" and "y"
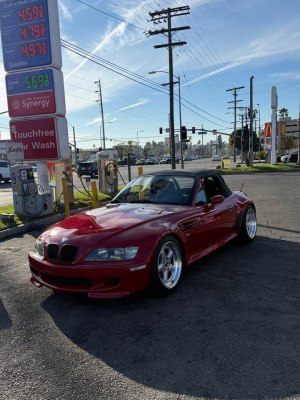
{"x": 97, "y": 280}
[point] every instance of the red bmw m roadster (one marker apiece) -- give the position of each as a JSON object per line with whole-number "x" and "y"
{"x": 157, "y": 225}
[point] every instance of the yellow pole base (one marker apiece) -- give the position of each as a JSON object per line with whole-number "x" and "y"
{"x": 140, "y": 171}
{"x": 95, "y": 195}
{"x": 66, "y": 196}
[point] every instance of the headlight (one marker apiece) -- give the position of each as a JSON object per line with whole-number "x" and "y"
{"x": 117, "y": 254}
{"x": 39, "y": 247}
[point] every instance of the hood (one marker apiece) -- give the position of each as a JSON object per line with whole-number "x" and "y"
{"x": 107, "y": 221}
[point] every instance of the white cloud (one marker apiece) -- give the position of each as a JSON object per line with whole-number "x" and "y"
{"x": 135, "y": 105}
{"x": 65, "y": 11}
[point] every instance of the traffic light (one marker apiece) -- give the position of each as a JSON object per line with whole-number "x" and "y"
{"x": 193, "y": 129}
{"x": 245, "y": 139}
{"x": 183, "y": 133}
{"x": 77, "y": 150}
{"x": 161, "y": 130}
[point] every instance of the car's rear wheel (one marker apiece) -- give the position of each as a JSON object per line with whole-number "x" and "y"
{"x": 249, "y": 225}
{"x": 166, "y": 267}
{"x": 1, "y": 178}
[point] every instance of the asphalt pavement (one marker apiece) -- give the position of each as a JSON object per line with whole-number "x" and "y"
{"x": 230, "y": 331}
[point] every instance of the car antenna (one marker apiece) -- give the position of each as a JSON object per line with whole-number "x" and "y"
{"x": 242, "y": 187}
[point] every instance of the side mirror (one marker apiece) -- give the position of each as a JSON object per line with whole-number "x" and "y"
{"x": 217, "y": 199}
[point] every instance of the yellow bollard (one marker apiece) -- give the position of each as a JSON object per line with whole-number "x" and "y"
{"x": 140, "y": 171}
{"x": 66, "y": 197}
{"x": 95, "y": 195}
{"x": 141, "y": 193}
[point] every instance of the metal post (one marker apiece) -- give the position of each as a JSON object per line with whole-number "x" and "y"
{"x": 129, "y": 166}
{"x": 172, "y": 136}
{"x": 251, "y": 123}
{"x": 299, "y": 138}
{"x": 75, "y": 145}
{"x": 259, "y": 132}
{"x": 66, "y": 197}
{"x": 180, "y": 122}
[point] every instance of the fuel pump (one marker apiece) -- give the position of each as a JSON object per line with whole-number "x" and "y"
{"x": 56, "y": 171}
{"x": 29, "y": 200}
{"x": 107, "y": 162}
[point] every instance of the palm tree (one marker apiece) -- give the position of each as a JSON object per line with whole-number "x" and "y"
{"x": 283, "y": 112}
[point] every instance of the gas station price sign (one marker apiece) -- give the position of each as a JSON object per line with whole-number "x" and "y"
{"x": 25, "y": 29}
{"x": 35, "y": 92}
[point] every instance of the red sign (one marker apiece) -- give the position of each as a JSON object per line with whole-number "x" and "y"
{"x": 281, "y": 128}
{"x": 25, "y": 104}
{"x": 39, "y": 138}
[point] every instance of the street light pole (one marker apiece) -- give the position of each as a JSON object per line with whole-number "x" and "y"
{"x": 102, "y": 125}
{"x": 258, "y": 132}
{"x": 138, "y": 145}
{"x": 74, "y": 143}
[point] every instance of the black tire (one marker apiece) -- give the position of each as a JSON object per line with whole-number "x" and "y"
{"x": 93, "y": 175}
{"x": 156, "y": 285}
{"x": 1, "y": 179}
{"x": 246, "y": 235}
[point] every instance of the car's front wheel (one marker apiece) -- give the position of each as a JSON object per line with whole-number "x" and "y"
{"x": 249, "y": 225}
{"x": 166, "y": 266}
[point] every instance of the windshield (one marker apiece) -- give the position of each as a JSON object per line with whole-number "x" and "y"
{"x": 158, "y": 189}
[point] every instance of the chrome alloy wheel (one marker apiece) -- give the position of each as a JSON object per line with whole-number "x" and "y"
{"x": 169, "y": 265}
{"x": 251, "y": 224}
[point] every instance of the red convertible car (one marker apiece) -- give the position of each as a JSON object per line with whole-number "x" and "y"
{"x": 157, "y": 225}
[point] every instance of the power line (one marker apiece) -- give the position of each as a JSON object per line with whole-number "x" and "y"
{"x": 112, "y": 16}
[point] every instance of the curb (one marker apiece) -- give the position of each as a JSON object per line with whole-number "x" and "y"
{"x": 40, "y": 224}
{"x": 256, "y": 172}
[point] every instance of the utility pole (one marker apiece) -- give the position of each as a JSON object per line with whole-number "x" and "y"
{"x": 102, "y": 114}
{"x": 180, "y": 122}
{"x": 258, "y": 132}
{"x": 235, "y": 101}
{"x": 168, "y": 14}
{"x": 299, "y": 137}
{"x": 251, "y": 122}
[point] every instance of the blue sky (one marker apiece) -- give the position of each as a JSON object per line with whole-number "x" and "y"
{"x": 229, "y": 41}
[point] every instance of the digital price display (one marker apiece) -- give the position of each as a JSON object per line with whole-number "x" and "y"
{"x": 25, "y": 34}
{"x": 34, "y": 93}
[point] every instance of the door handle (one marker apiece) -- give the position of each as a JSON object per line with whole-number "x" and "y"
{"x": 230, "y": 208}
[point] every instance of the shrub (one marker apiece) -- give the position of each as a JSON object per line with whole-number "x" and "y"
{"x": 218, "y": 167}
{"x": 238, "y": 166}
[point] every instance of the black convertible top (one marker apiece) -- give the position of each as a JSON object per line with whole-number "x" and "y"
{"x": 200, "y": 173}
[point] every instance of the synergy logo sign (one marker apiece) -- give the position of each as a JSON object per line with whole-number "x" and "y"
{"x": 31, "y": 93}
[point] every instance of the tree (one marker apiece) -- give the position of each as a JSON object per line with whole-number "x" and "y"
{"x": 283, "y": 112}
{"x": 146, "y": 150}
{"x": 238, "y": 140}
{"x": 85, "y": 155}
{"x": 122, "y": 150}
{"x": 220, "y": 143}
{"x": 288, "y": 142}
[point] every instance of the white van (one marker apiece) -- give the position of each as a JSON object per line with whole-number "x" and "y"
{"x": 4, "y": 171}
{"x": 216, "y": 158}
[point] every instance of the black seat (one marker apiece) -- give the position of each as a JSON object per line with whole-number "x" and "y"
{"x": 211, "y": 188}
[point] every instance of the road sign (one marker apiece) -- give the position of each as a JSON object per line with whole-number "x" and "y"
{"x": 36, "y": 92}
{"x": 40, "y": 138}
{"x": 202, "y": 133}
{"x": 30, "y": 34}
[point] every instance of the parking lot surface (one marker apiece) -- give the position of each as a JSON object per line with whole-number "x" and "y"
{"x": 231, "y": 330}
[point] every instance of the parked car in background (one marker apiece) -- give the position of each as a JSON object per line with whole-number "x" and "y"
{"x": 141, "y": 162}
{"x": 163, "y": 161}
{"x": 88, "y": 168}
{"x": 216, "y": 158}
{"x": 4, "y": 171}
{"x": 293, "y": 157}
{"x": 151, "y": 161}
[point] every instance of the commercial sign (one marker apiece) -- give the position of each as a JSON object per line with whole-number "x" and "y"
{"x": 11, "y": 150}
{"x": 30, "y": 34}
{"x": 281, "y": 128}
{"x": 37, "y": 92}
{"x": 51, "y": 174}
{"x": 40, "y": 138}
